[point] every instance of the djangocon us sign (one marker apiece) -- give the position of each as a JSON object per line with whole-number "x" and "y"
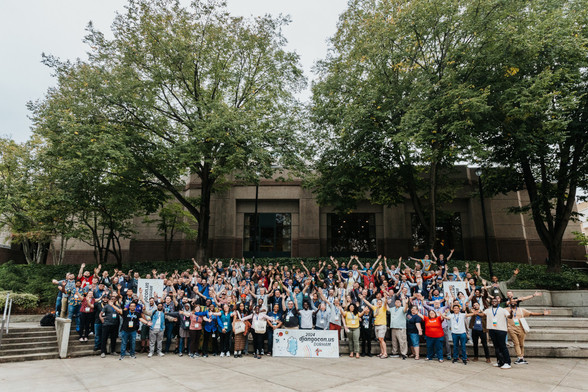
{"x": 302, "y": 343}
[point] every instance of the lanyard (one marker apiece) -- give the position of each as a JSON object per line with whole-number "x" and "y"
{"x": 456, "y": 318}
{"x": 494, "y": 313}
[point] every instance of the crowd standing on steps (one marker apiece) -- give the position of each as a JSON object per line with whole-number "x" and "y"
{"x": 214, "y": 309}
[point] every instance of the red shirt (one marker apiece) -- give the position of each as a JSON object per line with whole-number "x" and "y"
{"x": 87, "y": 305}
{"x": 433, "y": 327}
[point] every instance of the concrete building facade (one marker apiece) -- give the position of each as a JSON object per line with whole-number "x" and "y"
{"x": 292, "y": 224}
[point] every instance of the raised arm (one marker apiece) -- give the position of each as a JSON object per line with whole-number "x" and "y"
{"x": 81, "y": 271}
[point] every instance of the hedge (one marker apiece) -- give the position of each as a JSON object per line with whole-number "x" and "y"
{"x": 36, "y": 279}
{"x": 20, "y": 301}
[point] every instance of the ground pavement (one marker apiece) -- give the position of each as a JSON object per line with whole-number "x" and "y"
{"x": 172, "y": 373}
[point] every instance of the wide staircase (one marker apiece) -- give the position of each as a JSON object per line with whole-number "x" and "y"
{"x": 27, "y": 341}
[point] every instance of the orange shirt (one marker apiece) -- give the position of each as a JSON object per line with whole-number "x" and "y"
{"x": 433, "y": 327}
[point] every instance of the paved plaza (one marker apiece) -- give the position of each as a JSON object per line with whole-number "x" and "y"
{"x": 172, "y": 373}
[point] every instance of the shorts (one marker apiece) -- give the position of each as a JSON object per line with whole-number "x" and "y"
{"x": 380, "y": 331}
{"x": 144, "y": 332}
{"x": 413, "y": 339}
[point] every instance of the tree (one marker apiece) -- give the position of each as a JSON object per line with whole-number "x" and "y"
{"x": 397, "y": 101}
{"x": 537, "y": 129}
{"x": 188, "y": 92}
{"x": 30, "y": 202}
{"x": 173, "y": 219}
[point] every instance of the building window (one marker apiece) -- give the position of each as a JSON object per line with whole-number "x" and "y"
{"x": 448, "y": 236}
{"x": 272, "y": 237}
{"x": 351, "y": 234}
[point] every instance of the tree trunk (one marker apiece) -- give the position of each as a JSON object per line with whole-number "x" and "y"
{"x": 432, "y": 232}
{"x": 554, "y": 257}
{"x": 204, "y": 216}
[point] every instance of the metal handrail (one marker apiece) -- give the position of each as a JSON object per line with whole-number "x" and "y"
{"x": 6, "y": 316}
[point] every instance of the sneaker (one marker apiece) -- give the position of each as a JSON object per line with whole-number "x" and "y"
{"x": 134, "y": 356}
{"x": 496, "y": 365}
{"x": 404, "y": 357}
{"x": 85, "y": 339}
{"x": 120, "y": 358}
{"x": 228, "y": 354}
{"x": 465, "y": 361}
{"x": 149, "y": 355}
{"x": 181, "y": 354}
{"x": 518, "y": 361}
{"x": 524, "y": 362}
{"x": 454, "y": 361}
{"x": 261, "y": 352}
{"x": 81, "y": 339}
{"x": 395, "y": 356}
{"x": 102, "y": 355}
{"x": 505, "y": 366}
{"x": 161, "y": 354}
{"x": 222, "y": 354}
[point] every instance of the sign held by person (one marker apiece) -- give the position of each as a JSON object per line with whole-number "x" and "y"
{"x": 150, "y": 286}
{"x": 453, "y": 288}
{"x": 306, "y": 343}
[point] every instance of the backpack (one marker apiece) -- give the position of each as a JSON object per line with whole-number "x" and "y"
{"x": 48, "y": 320}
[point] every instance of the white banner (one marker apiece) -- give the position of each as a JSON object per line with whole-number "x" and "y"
{"x": 454, "y": 287}
{"x": 150, "y": 286}
{"x": 304, "y": 343}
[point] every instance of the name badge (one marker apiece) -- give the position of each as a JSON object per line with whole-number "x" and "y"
{"x": 226, "y": 325}
{"x": 478, "y": 322}
{"x": 197, "y": 325}
{"x": 494, "y": 322}
{"x": 287, "y": 318}
{"x": 87, "y": 309}
{"x": 516, "y": 322}
{"x": 187, "y": 323}
{"x": 76, "y": 296}
{"x": 131, "y": 324}
{"x": 214, "y": 335}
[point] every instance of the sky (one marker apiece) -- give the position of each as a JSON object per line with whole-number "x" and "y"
{"x": 29, "y": 28}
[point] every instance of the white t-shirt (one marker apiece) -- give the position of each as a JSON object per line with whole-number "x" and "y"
{"x": 457, "y": 323}
{"x": 496, "y": 318}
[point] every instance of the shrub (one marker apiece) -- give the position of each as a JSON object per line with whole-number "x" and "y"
{"x": 20, "y": 301}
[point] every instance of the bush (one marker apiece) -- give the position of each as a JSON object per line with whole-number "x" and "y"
{"x": 20, "y": 301}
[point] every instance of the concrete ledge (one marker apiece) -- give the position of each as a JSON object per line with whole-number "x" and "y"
{"x": 62, "y": 329}
{"x": 577, "y": 300}
{"x": 544, "y": 300}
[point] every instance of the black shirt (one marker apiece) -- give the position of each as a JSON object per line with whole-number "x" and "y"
{"x": 130, "y": 320}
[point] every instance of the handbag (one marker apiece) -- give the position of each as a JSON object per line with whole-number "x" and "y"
{"x": 524, "y": 324}
{"x": 259, "y": 326}
{"x": 239, "y": 327}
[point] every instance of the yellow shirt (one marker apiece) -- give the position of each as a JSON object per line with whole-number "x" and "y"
{"x": 380, "y": 317}
{"x": 351, "y": 320}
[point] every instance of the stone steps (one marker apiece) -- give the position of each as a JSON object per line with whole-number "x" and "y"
{"x": 27, "y": 343}
{"x": 557, "y": 322}
{"x": 555, "y": 311}
{"x": 557, "y": 335}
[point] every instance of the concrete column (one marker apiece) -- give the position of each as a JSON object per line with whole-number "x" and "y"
{"x": 62, "y": 329}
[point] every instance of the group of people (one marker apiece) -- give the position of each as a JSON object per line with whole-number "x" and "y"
{"x": 213, "y": 309}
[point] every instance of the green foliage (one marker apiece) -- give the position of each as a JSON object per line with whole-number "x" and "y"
{"x": 397, "y": 102}
{"x": 20, "y": 301}
{"x": 176, "y": 92}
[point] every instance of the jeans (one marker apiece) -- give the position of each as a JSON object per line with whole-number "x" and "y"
{"x": 131, "y": 338}
{"x": 97, "y": 336}
{"x": 459, "y": 342}
{"x": 169, "y": 334}
{"x": 58, "y": 305}
{"x": 73, "y": 311}
{"x": 435, "y": 347}
{"x": 499, "y": 341}
{"x": 480, "y": 335}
